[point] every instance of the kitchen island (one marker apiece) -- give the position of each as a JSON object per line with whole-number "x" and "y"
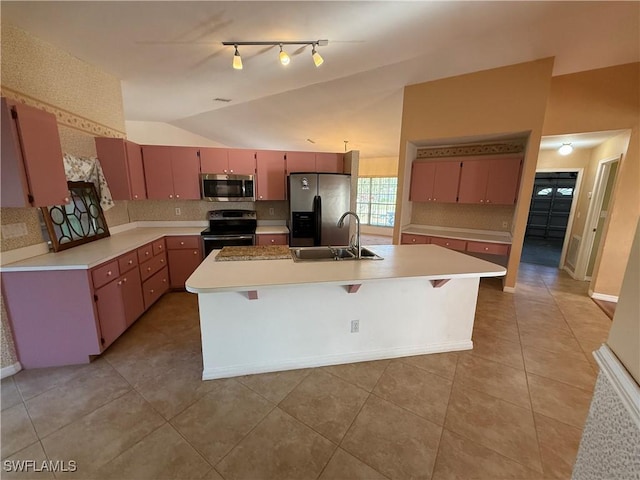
{"x": 270, "y": 315}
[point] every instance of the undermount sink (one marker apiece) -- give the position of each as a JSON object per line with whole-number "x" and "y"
{"x": 315, "y": 254}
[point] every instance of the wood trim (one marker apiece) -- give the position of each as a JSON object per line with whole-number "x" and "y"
{"x": 353, "y": 288}
{"x": 252, "y": 294}
{"x": 440, "y": 282}
{"x": 64, "y": 117}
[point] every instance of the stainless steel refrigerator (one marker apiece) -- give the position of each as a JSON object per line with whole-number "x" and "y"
{"x": 316, "y": 203}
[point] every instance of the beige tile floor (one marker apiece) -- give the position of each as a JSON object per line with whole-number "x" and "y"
{"x": 513, "y": 407}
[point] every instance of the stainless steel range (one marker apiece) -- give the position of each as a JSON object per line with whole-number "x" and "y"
{"x": 229, "y": 228}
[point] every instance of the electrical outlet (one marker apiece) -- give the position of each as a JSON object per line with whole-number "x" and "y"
{"x": 178, "y": 212}
{"x": 271, "y": 211}
{"x": 355, "y": 326}
{"x": 14, "y": 230}
{"x": 505, "y": 224}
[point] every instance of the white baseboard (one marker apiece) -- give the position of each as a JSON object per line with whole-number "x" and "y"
{"x": 622, "y": 382}
{"x": 602, "y": 296}
{"x": 323, "y": 361}
{"x": 10, "y": 370}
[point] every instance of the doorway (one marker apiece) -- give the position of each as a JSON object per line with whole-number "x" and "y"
{"x": 597, "y": 215}
{"x": 550, "y": 213}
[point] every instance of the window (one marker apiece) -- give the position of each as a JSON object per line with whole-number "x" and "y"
{"x": 376, "y": 202}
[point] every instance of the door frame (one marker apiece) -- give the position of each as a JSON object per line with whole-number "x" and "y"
{"x": 574, "y": 202}
{"x": 593, "y": 213}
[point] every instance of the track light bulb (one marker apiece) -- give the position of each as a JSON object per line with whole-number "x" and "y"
{"x": 317, "y": 59}
{"x": 237, "y": 60}
{"x": 284, "y": 58}
{"x": 565, "y": 149}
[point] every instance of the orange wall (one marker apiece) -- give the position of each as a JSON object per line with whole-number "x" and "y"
{"x": 490, "y": 103}
{"x": 597, "y": 100}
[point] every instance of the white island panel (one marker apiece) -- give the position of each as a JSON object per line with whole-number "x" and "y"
{"x": 310, "y": 325}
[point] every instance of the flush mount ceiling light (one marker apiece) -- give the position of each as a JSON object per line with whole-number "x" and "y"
{"x": 283, "y": 56}
{"x": 565, "y": 149}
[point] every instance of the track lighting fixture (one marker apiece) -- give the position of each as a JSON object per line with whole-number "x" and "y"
{"x": 237, "y": 60}
{"x": 285, "y": 59}
{"x": 565, "y": 149}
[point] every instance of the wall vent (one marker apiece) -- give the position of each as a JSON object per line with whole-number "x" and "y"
{"x": 572, "y": 252}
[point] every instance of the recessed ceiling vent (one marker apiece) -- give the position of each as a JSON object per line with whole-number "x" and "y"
{"x": 223, "y": 100}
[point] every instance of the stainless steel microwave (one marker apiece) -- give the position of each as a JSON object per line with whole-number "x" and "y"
{"x": 218, "y": 187}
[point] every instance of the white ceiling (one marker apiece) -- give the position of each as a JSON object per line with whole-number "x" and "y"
{"x": 172, "y": 63}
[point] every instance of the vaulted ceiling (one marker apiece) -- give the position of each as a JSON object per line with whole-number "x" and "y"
{"x": 173, "y": 65}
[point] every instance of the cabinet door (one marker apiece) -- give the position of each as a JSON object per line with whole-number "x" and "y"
{"x": 158, "y": 172}
{"x": 503, "y": 181}
{"x": 422, "y": 175}
{"x": 111, "y": 316}
{"x": 182, "y": 263}
{"x": 242, "y": 162}
{"x": 329, "y": 162}
{"x": 473, "y": 181}
{"x": 136, "y": 171}
{"x": 42, "y": 156}
{"x": 270, "y": 175}
{"x": 132, "y": 300}
{"x": 214, "y": 160}
{"x": 301, "y": 162}
{"x": 185, "y": 165}
{"x": 272, "y": 239}
{"x": 446, "y": 181}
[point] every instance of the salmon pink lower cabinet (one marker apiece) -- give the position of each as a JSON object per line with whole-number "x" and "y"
{"x": 272, "y": 239}
{"x": 185, "y": 254}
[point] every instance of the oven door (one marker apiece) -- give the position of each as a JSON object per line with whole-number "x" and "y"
{"x": 216, "y": 242}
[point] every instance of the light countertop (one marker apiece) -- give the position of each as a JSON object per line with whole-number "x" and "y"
{"x": 272, "y": 230}
{"x": 400, "y": 261}
{"x": 459, "y": 233}
{"x": 91, "y": 254}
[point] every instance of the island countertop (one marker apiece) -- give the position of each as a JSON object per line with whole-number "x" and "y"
{"x": 400, "y": 261}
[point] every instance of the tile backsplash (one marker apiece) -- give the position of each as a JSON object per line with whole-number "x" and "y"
{"x": 480, "y": 217}
{"x": 190, "y": 210}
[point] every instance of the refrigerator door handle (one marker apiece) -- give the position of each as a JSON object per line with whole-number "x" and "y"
{"x": 317, "y": 210}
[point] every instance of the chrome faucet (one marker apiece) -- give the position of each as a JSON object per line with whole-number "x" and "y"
{"x": 355, "y": 246}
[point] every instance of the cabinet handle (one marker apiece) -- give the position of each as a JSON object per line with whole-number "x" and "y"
{"x": 124, "y": 279}
{"x": 135, "y": 196}
{"x": 481, "y": 201}
{"x": 109, "y": 273}
{"x": 120, "y": 282}
{"x": 148, "y": 269}
{"x": 159, "y": 247}
{"x": 177, "y": 196}
{"x": 181, "y": 243}
{"x": 170, "y": 196}
{"x": 447, "y": 244}
{"x": 146, "y": 253}
{"x": 488, "y": 201}
{"x": 413, "y": 240}
{"x": 164, "y": 280}
{"x": 162, "y": 260}
{"x": 130, "y": 262}
{"x": 66, "y": 199}
{"x": 429, "y": 199}
{"x": 195, "y": 252}
{"x": 260, "y": 197}
{"x": 486, "y": 248}
{"x": 434, "y": 199}
{"x": 231, "y": 171}
{"x": 273, "y": 241}
{"x": 151, "y": 291}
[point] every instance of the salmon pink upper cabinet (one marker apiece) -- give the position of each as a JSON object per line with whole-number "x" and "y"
{"x": 434, "y": 182}
{"x": 171, "y": 172}
{"x": 490, "y": 180}
{"x": 32, "y": 165}
{"x": 214, "y": 160}
{"x": 242, "y": 162}
{"x": 329, "y": 162}
{"x": 270, "y": 174}
{"x": 422, "y": 176}
{"x": 158, "y": 172}
{"x": 121, "y": 162}
{"x": 504, "y": 180}
{"x": 301, "y": 162}
{"x": 185, "y": 165}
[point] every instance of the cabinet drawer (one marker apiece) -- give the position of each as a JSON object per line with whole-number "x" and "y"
{"x": 152, "y": 266}
{"x": 452, "y": 243}
{"x": 273, "y": 239}
{"x": 104, "y": 274}
{"x": 154, "y": 287}
{"x": 180, "y": 242}
{"x": 408, "y": 238}
{"x": 158, "y": 246}
{"x": 128, "y": 261}
{"x": 487, "y": 247}
{"x": 145, "y": 253}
